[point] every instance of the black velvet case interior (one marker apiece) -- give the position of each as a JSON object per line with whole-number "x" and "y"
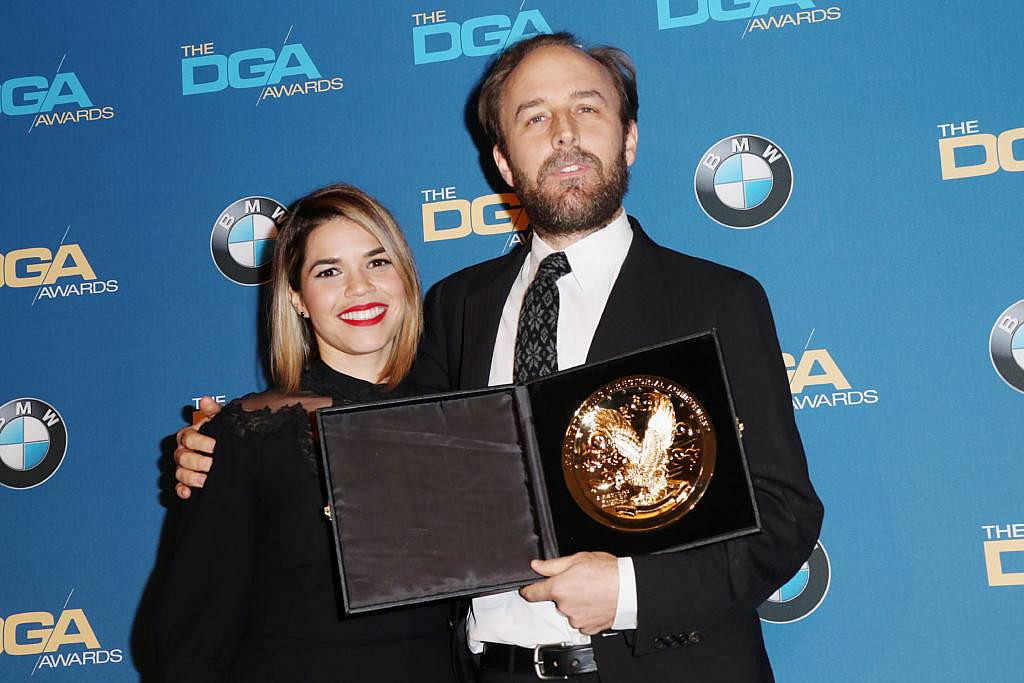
{"x": 430, "y": 497}
{"x": 727, "y": 508}
{"x": 453, "y": 494}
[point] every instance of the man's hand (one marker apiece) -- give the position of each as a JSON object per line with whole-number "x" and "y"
{"x": 192, "y": 464}
{"x": 584, "y": 588}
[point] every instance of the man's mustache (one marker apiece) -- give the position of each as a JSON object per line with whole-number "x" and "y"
{"x": 573, "y": 156}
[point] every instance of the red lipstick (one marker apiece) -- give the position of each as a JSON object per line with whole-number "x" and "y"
{"x": 358, "y": 315}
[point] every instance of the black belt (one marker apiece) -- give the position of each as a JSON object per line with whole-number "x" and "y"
{"x": 546, "y": 662}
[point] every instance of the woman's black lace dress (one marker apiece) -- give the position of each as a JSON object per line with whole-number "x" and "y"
{"x": 251, "y": 594}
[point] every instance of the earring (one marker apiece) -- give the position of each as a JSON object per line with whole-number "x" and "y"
{"x": 302, "y": 314}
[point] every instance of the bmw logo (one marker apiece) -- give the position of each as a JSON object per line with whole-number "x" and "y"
{"x": 743, "y": 181}
{"x": 1006, "y": 346}
{"x": 803, "y": 593}
{"x": 242, "y": 240}
{"x": 33, "y": 441}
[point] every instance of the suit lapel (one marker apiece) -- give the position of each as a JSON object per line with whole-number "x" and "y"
{"x": 484, "y": 304}
{"x": 634, "y": 303}
{"x": 632, "y": 308}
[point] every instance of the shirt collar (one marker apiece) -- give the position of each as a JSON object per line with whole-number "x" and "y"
{"x": 596, "y": 258}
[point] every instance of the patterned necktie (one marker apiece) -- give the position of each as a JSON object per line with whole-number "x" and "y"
{"x": 537, "y": 336}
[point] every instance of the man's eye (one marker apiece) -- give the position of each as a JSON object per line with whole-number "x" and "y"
{"x": 534, "y": 119}
{"x": 587, "y": 109}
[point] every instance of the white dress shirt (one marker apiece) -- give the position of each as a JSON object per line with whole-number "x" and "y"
{"x": 595, "y": 260}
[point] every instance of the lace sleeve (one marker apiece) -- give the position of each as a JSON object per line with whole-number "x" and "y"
{"x": 260, "y": 416}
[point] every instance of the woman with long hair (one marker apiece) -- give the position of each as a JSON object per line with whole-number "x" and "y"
{"x": 345, "y": 317}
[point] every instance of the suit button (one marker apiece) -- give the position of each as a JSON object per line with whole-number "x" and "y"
{"x": 695, "y": 636}
{"x": 682, "y": 639}
{"x": 659, "y": 643}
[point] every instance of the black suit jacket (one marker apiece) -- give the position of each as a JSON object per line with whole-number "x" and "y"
{"x": 697, "y": 618}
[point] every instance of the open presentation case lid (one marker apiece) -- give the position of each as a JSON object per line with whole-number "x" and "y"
{"x": 453, "y": 494}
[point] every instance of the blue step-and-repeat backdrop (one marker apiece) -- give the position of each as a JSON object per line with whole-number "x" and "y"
{"x": 862, "y": 159}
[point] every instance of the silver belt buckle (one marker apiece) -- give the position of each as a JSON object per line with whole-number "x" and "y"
{"x": 538, "y": 663}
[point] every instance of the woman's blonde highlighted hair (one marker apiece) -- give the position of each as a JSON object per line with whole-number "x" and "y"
{"x": 292, "y": 342}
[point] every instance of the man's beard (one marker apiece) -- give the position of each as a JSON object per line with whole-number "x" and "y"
{"x": 570, "y": 208}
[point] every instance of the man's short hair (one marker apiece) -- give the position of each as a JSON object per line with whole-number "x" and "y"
{"x": 615, "y": 61}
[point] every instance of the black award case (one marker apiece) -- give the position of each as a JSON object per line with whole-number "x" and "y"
{"x": 453, "y": 494}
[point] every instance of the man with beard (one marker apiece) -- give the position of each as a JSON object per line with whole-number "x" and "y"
{"x": 592, "y": 285}
{"x": 564, "y": 127}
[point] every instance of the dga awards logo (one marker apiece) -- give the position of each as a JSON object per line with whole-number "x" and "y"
{"x": 55, "y": 102}
{"x": 243, "y": 237}
{"x": 686, "y": 13}
{"x": 1004, "y": 554}
{"x": 58, "y": 274}
{"x": 1006, "y": 346}
{"x": 33, "y": 441}
{"x": 204, "y": 70}
{"x": 801, "y": 595}
{"x": 436, "y": 38}
{"x": 816, "y": 381}
{"x": 965, "y": 152}
{"x": 446, "y": 216}
{"x": 67, "y": 640}
{"x": 743, "y": 181}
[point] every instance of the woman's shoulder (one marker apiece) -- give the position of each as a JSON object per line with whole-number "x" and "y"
{"x": 408, "y": 388}
{"x": 266, "y": 414}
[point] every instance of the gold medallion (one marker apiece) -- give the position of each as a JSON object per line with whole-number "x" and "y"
{"x": 639, "y": 453}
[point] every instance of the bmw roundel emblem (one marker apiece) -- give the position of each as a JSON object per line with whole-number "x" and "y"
{"x": 1006, "y": 346}
{"x": 243, "y": 237}
{"x": 803, "y": 593}
{"x": 743, "y": 181}
{"x": 33, "y": 441}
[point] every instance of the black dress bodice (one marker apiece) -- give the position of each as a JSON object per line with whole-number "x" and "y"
{"x": 252, "y": 593}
